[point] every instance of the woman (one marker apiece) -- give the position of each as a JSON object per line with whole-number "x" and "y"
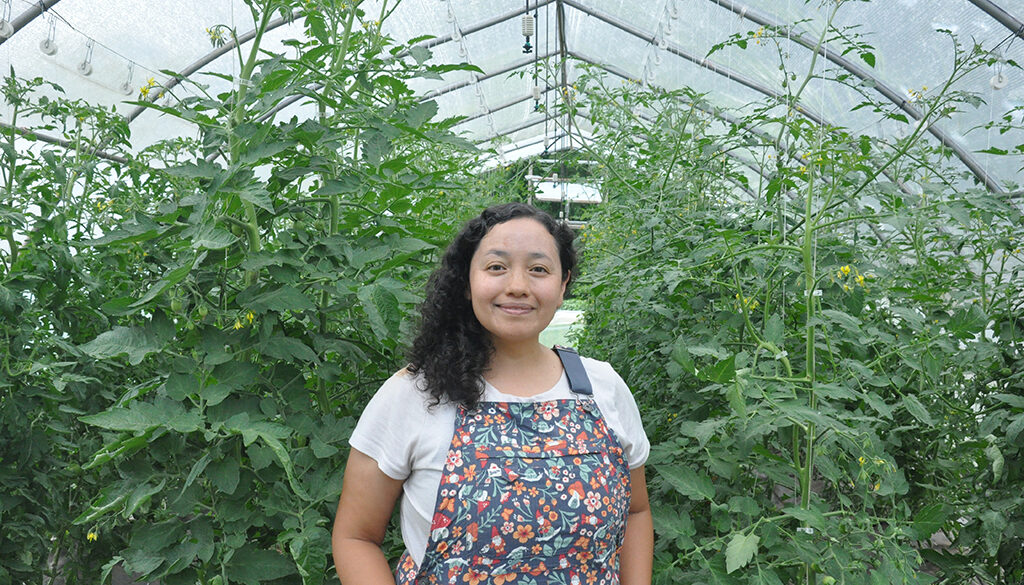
{"x": 516, "y": 464}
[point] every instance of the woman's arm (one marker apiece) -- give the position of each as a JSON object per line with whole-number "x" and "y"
{"x": 637, "y": 554}
{"x": 368, "y": 497}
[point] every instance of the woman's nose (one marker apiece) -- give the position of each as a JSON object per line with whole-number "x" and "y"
{"x": 517, "y": 282}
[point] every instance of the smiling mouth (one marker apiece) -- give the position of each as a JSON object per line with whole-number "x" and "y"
{"x": 515, "y": 309}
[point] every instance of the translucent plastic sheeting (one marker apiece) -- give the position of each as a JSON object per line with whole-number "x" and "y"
{"x": 558, "y": 191}
{"x": 127, "y": 42}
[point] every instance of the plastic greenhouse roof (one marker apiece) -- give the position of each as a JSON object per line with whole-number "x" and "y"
{"x": 662, "y": 43}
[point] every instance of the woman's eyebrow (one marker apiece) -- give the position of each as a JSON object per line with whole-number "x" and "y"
{"x": 504, "y": 254}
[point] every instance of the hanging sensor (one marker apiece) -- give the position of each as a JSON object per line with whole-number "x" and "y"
{"x": 529, "y": 27}
{"x": 85, "y": 67}
{"x": 998, "y": 81}
{"x": 48, "y": 47}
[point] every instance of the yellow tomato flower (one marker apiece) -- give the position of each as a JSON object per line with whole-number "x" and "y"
{"x": 238, "y": 324}
{"x": 861, "y": 460}
{"x": 845, "y": 269}
{"x": 92, "y": 536}
{"x": 250, "y": 316}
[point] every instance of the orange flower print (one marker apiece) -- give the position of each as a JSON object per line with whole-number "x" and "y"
{"x": 473, "y": 577}
{"x": 592, "y": 502}
{"x": 523, "y": 533}
{"x": 502, "y": 579}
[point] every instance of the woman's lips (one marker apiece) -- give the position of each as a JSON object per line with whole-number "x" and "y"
{"x": 516, "y": 309}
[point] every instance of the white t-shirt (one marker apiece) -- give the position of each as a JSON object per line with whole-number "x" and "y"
{"x": 409, "y": 439}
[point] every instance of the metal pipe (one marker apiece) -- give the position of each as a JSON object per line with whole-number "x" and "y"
{"x": 30, "y": 14}
{"x": 1005, "y": 18}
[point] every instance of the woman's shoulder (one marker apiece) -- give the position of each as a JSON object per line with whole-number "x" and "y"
{"x": 601, "y": 371}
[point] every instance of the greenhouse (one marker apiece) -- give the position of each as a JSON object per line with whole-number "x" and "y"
{"x": 799, "y": 236}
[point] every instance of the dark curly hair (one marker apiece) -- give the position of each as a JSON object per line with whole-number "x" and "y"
{"x": 453, "y": 349}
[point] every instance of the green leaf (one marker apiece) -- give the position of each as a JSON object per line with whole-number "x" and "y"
{"x": 918, "y": 410}
{"x": 135, "y": 418}
{"x": 381, "y": 307}
{"x": 995, "y": 456}
{"x": 674, "y": 524}
{"x": 868, "y": 58}
{"x": 258, "y": 196}
{"x": 774, "y": 331}
{"x": 1011, "y": 399}
{"x": 736, "y": 400}
{"x": 288, "y": 348}
{"x": 686, "y": 481}
{"x": 929, "y": 520}
{"x": 420, "y": 54}
{"x": 140, "y": 495}
{"x": 419, "y": 114}
{"x": 281, "y": 299}
{"x": 310, "y": 550}
{"x": 810, "y": 516}
{"x": 722, "y": 372}
{"x": 134, "y": 341}
{"x": 223, "y": 474}
{"x": 212, "y": 238}
{"x": 170, "y": 278}
{"x": 251, "y": 565}
{"x": 110, "y": 500}
{"x": 740, "y": 550}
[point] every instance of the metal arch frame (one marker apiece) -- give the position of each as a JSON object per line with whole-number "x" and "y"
{"x": 66, "y": 145}
{"x": 731, "y": 179}
{"x": 997, "y": 12}
{"x": 880, "y": 86}
{"x": 745, "y": 12}
{"x": 455, "y": 86}
{"x": 37, "y": 9}
{"x": 210, "y": 58}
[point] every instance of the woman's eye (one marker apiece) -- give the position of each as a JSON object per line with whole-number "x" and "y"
{"x": 540, "y": 269}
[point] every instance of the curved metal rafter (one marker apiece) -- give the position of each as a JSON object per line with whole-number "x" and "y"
{"x": 880, "y": 86}
{"x": 1012, "y": 23}
{"x": 30, "y": 14}
{"x": 710, "y": 66}
{"x": 66, "y": 145}
{"x": 480, "y": 26}
{"x": 728, "y": 119}
{"x": 507, "y": 69}
{"x": 210, "y": 58}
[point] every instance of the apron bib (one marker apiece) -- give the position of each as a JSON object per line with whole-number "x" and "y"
{"x": 531, "y": 493}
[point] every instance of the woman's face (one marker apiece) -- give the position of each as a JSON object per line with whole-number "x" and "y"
{"x": 515, "y": 280}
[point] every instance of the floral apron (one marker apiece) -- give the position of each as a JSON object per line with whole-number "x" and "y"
{"x": 531, "y": 493}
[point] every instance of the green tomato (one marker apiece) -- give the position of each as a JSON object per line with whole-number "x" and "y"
{"x": 203, "y": 311}
{"x": 176, "y": 305}
{"x": 828, "y": 580}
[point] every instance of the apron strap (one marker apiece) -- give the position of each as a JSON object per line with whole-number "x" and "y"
{"x": 574, "y": 370}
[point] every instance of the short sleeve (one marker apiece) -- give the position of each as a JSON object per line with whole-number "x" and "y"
{"x": 383, "y": 429}
{"x": 634, "y": 439}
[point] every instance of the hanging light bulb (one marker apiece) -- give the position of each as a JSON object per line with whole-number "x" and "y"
{"x": 536, "y": 93}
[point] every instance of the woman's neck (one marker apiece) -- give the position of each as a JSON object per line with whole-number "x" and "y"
{"x": 523, "y": 369}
